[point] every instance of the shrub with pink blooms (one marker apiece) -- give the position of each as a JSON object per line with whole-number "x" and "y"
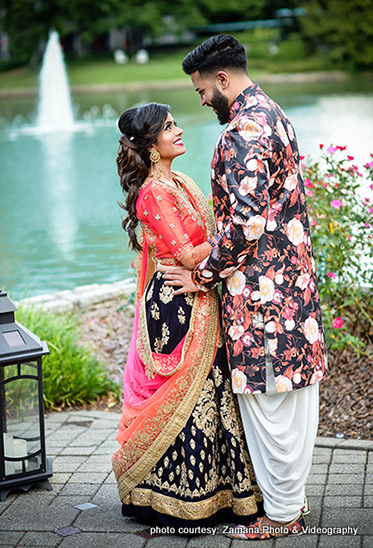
{"x": 340, "y": 206}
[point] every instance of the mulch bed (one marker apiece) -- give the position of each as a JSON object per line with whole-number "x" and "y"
{"x": 345, "y": 396}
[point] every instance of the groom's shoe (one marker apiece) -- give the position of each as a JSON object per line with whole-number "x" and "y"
{"x": 305, "y": 510}
{"x": 259, "y": 531}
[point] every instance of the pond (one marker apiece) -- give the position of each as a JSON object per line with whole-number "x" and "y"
{"x": 59, "y": 217}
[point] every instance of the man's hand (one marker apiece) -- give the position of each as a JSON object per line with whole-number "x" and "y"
{"x": 178, "y": 276}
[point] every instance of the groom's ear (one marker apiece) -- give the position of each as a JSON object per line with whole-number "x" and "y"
{"x": 222, "y": 79}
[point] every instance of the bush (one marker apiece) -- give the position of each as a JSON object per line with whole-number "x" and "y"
{"x": 341, "y": 220}
{"x": 71, "y": 375}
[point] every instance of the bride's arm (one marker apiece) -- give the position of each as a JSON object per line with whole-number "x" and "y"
{"x": 194, "y": 256}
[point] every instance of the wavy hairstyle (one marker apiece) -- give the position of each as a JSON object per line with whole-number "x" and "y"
{"x": 140, "y": 127}
{"x": 216, "y": 53}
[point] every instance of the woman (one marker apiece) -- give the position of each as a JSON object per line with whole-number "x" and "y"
{"x": 182, "y": 462}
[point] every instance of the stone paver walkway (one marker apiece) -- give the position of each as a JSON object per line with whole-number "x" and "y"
{"x": 81, "y": 443}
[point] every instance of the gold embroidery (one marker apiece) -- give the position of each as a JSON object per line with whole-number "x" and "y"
{"x": 149, "y": 293}
{"x": 189, "y": 298}
{"x": 166, "y": 294}
{"x": 181, "y": 316}
{"x": 155, "y": 312}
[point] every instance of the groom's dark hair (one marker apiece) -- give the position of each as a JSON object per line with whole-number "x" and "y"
{"x": 216, "y": 53}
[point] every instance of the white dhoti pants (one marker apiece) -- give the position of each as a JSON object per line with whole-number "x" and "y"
{"x": 280, "y": 429}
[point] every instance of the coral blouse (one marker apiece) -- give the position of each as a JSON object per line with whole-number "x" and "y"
{"x": 171, "y": 224}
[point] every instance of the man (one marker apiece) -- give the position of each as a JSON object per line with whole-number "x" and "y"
{"x": 262, "y": 253}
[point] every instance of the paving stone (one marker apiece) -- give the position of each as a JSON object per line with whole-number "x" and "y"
{"x": 59, "y": 477}
{"x": 316, "y": 489}
{"x": 35, "y": 539}
{"x": 316, "y": 478}
{"x": 10, "y": 538}
{"x": 69, "y": 501}
{"x": 79, "y": 489}
{"x": 342, "y": 502}
{"x": 103, "y": 540}
{"x": 79, "y": 451}
{"x": 344, "y": 489}
{"x": 368, "y": 501}
{"x": 85, "y": 477}
{"x": 68, "y": 463}
{"x": 322, "y": 458}
{"x": 342, "y": 478}
{"x": 319, "y": 469}
{"x": 295, "y": 541}
{"x": 105, "y": 518}
{"x": 253, "y": 544}
{"x": 173, "y": 542}
{"x": 339, "y": 541}
{"x": 359, "y": 518}
{"x": 346, "y": 456}
{"x": 368, "y": 489}
{"x": 7, "y": 502}
{"x": 368, "y": 542}
{"x": 35, "y": 514}
{"x": 111, "y": 478}
{"x": 100, "y": 463}
{"x": 347, "y": 469}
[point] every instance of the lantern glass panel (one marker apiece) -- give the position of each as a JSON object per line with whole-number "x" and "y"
{"x": 22, "y": 418}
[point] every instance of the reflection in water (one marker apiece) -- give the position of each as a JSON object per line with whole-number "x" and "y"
{"x": 58, "y": 187}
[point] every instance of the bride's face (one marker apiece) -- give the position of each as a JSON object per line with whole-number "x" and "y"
{"x": 169, "y": 142}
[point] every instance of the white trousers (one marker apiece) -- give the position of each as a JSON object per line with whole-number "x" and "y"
{"x": 280, "y": 429}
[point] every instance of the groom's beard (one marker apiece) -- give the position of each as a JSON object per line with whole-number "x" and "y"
{"x": 220, "y": 103}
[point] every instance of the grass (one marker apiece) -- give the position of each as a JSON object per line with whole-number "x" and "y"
{"x": 291, "y": 57}
{"x": 71, "y": 375}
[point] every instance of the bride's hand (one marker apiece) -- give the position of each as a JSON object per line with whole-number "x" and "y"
{"x": 178, "y": 276}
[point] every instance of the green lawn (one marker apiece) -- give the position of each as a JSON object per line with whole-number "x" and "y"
{"x": 90, "y": 71}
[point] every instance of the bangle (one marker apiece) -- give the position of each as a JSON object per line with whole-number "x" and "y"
{"x": 211, "y": 242}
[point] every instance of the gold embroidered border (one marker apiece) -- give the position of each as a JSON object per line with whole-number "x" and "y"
{"x": 192, "y": 510}
{"x": 136, "y": 459}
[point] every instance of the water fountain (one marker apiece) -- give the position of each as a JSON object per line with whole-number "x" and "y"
{"x": 55, "y": 112}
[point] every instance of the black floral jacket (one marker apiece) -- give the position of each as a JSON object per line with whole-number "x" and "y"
{"x": 263, "y": 250}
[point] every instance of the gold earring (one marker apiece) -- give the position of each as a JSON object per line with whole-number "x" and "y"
{"x": 155, "y": 156}
{"x": 156, "y": 168}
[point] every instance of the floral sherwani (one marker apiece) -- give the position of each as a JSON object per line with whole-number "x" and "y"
{"x": 262, "y": 251}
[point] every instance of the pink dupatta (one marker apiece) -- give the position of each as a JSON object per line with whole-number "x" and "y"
{"x": 156, "y": 407}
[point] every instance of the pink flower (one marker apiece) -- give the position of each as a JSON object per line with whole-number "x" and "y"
{"x": 341, "y": 148}
{"x": 336, "y": 204}
{"x": 371, "y": 187}
{"x": 307, "y": 183}
{"x": 350, "y": 158}
{"x": 367, "y": 166}
{"x": 371, "y": 210}
{"x": 331, "y": 275}
{"x": 337, "y": 323}
{"x": 313, "y": 222}
{"x": 321, "y": 146}
{"x": 332, "y": 149}
{"x": 309, "y": 192}
{"x": 367, "y": 225}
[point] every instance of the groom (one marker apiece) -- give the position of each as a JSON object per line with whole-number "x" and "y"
{"x": 262, "y": 253}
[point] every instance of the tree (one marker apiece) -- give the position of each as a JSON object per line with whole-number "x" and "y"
{"x": 341, "y": 29}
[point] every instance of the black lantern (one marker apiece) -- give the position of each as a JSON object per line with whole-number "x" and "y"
{"x": 22, "y": 436}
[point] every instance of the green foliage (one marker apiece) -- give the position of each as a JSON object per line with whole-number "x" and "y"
{"x": 342, "y": 30}
{"x": 341, "y": 217}
{"x": 71, "y": 375}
